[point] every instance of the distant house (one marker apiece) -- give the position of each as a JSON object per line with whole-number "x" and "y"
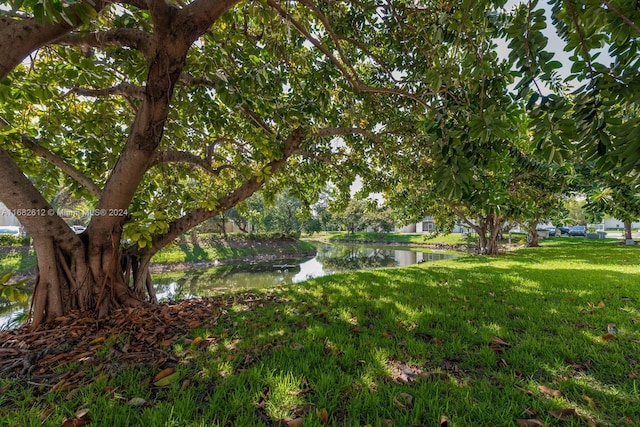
{"x": 7, "y": 218}
{"x": 616, "y": 224}
{"x": 428, "y": 225}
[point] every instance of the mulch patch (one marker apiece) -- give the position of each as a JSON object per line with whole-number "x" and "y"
{"x": 140, "y": 336}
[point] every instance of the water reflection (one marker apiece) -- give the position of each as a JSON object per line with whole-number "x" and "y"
{"x": 330, "y": 258}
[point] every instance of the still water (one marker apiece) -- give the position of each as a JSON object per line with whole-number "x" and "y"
{"x": 330, "y": 258}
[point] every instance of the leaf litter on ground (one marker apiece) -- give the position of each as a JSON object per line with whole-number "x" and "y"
{"x": 138, "y": 336}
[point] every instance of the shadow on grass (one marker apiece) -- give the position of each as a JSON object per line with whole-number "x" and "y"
{"x": 358, "y": 344}
{"x": 194, "y": 252}
{"x": 343, "y": 342}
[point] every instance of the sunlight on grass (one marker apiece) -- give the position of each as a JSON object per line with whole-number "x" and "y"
{"x": 482, "y": 341}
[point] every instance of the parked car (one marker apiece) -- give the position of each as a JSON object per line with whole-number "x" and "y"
{"x": 564, "y": 230}
{"x": 550, "y": 231}
{"x": 578, "y": 230}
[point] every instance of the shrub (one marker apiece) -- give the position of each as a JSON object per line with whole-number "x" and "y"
{"x": 13, "y": 240}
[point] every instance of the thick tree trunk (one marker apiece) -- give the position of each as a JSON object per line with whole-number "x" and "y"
{"x": 495, "y": 233}
{"x": 482, "y": 244}
{"x": 68, "y": 282}
{"x": 532, "y": 235}
{"x": 492, "y": 247}
{"x": 627, "y": 230}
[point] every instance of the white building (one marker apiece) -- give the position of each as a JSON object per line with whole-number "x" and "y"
{"x": 616, "y": 224}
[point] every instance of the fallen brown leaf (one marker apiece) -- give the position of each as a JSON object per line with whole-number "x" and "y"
{"x": 549, "y": 391}
{"x": 164, "y": 373}
{"x": 498, "y": 344}
{"x": 589, "y": 401}
{"x": 46, "y": 414}
{"x": 524, "y": 390}
{"x": 82, "y": 413}
{"x": 564, "y": 414}
{"x": 296, "y": 422}
{"x": 75, "y": 422}
{"x": 323, "y": 415}
{"x": 608, "y": 337}
{"x": 169, "y": 379}
{"x": 403, "y": 402}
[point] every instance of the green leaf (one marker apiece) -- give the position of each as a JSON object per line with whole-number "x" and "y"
{"x": 5, "y": 278}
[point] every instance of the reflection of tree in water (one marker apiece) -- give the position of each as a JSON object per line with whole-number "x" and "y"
{"x": 345, "y": 257}
{"x": 212, "y": 281}
{"x": 13, "y": 313}
{"x": 330, "y": 259}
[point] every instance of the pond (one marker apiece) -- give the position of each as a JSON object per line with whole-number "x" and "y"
{"x": 330, "y": 258}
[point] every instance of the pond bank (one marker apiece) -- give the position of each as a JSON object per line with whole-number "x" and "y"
{"x": 208, "y": 253}
{"x": 213, "y": 253}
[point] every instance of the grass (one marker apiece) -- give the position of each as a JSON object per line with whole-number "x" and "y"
{"x": 187, "y": 252}
{"x": 452, "y": 239}
{"x": 18, "y": 259}
{"x": 481, "y": 341}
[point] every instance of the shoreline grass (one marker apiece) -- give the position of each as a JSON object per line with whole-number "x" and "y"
{"x": 482, "y": 341}
{"x": 419, "y": 239}
{"x": 187, "y": 252}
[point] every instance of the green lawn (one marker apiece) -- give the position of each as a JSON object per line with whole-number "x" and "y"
{"x": 480, "y": 341}
{"x": 452, "y": 239}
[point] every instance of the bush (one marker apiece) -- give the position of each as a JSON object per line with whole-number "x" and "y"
{"x": 212, "y": 237}
{"x": 13, "y": 240}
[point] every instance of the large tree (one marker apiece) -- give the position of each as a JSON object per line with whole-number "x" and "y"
{"x": 164, "y": 114}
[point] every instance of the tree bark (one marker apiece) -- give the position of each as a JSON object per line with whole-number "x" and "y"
{"x": 627, "y": 230}
{"x": 495, "y": 232}
{"x": 20, "y": 37}
{"x": 532, "y": 234}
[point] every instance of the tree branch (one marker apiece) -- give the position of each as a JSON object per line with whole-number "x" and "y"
{"x": 192, "y": 81}
{"x": 345, "y": 68}
{"x": 240, "y": 193}
{"x": 628, "y": 21}
{"x": 20, "y": 37}
{"x": 176, "y": 156}
{"x": 58, "y": 162}
{"x": 124, "y": 89}
{"x": 583, "y": 40}
{"x": 18, "y": 193}
{"x": 338, "y": 131}
{"x": 133, "y": 38}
